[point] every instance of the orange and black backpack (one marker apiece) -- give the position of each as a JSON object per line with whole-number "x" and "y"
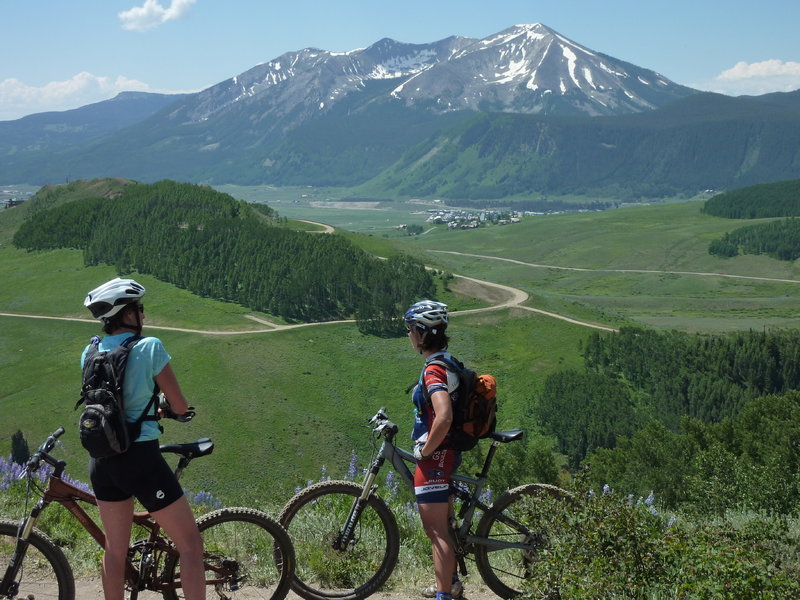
{"x": 475, "y": 408}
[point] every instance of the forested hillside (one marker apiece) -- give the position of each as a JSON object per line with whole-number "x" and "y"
{"x": 778, "y": 239}
{"x": 660, "y": 398}
{"x": 218, "y": 247}
{"x": 701, "y": 142}
{"x": 779, "y": 199}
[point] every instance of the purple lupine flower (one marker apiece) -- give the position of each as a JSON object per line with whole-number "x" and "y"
{"x": 650, "y": 499}
{"x": 392, "y": 484}
{"x": 652, "y": 510}
{"x": 351, "y": 470}
{"x": 324, "y": 476}
{"x": 606, "y": 490}
{"x": 486, "y": 496}
{"x": 78, "y": 484}
{"x": 672, "y": 520}
{"x": 203, "y": 498}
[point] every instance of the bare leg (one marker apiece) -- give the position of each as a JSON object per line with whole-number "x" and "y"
{"x": 178, "y": 521}
{"x": 117, "y": 518}
{"x": 435, "y": 521}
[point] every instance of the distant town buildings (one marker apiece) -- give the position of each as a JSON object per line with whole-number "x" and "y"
{"x": 472, "y": 219}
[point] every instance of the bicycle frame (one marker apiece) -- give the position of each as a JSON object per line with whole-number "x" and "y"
{"x": 69, "y": 496}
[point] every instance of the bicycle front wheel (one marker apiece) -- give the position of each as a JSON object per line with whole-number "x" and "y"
{"x": 535, "y": 518}
{"x": 247, "y": 554}
{"x": 44, "y": 573}
{"x": 315, "y": 519}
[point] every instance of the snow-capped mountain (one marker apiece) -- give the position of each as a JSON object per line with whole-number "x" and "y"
{"x": 526, "y": 68}
{"x": 339, "y": 118}
{"x": 531, "y": 69}
{"x": 316, "y": 79}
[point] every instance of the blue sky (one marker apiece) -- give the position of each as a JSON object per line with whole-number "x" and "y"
{"x": 56, "y": 55}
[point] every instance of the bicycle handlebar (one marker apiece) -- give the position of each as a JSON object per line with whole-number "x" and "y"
{"x": 167, "y": 412}
{"x": 382, "y": 425}
{"x": 42, "y": 453}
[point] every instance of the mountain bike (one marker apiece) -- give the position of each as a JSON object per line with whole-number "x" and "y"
{"x": 347, "y": 540}
{"x": 247, "y": 554}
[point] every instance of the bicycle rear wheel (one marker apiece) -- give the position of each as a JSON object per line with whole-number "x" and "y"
{"x": 44, "y": 573}
{"x": 248, "y": 555}
{"x": 315, "y": 519}
{"x": 535, "y": 515}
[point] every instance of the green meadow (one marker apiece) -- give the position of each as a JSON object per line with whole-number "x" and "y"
{"x": 280, "y": 404}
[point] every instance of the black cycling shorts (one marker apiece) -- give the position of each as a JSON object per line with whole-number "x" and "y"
{"x": 141, "y": 472}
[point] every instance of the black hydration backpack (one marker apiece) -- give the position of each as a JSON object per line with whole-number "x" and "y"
{"x": 103, "y": 429}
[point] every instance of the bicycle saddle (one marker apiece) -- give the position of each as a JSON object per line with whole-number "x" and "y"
{"x": 508, "y": 436}
{"x": 202, "y": 447}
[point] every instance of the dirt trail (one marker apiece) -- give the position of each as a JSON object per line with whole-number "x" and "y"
{"x": 501, "y": 296}
{"x": 91, "y": 589}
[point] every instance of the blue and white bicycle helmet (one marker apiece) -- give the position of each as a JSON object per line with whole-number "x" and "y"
{"x": 108, "y": 299}
{"x": 427, "y": 313}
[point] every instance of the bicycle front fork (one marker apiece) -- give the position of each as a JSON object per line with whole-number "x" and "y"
{"x": 9, "y": 587}
{"x": 345, "y": 538}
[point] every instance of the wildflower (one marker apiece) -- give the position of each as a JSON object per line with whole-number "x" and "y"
{"x": 203, "y": 498}
{"x": 650, "y": 499}
{"x": 606, "y": 490}
{"x": 351, "y": 470}
{"x": 486, "y": 496}
{"x": 78, "y": 484}
{"x": 652, "y": 510}
{"x": 672, "y": 520}
{"x": 324, "y": 476}
{"x": 392, "y": 484}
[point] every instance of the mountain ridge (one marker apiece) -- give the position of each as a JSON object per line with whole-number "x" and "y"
{"x": 315, "y": 117}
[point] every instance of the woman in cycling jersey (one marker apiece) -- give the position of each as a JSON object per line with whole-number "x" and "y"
{"x": 426, "y": 322}
{"x": 141, "y": 472}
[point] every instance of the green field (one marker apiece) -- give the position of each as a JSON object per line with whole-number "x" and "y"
{"x": 280, "y": 404}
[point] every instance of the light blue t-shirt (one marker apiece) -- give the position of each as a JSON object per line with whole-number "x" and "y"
{"x": 147, "y": 358}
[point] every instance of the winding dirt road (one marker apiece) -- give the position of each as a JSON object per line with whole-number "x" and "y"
{"x": 511, "y": 298}
{"x": 648, "y": 271}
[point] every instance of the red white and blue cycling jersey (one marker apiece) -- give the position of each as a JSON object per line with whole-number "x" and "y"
{"x": 432, "y": 476}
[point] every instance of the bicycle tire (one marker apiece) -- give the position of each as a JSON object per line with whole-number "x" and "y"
{"x": 314, "y": 517}
{"x": 251, "y": 542}
{"x": 542, "y": 511}
{"x": 45, "y": 571}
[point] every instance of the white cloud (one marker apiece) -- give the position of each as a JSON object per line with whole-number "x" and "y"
{"x": 755, "y": 78}
{"x": 152, "y": 14}
{"x": 18, "y": 99}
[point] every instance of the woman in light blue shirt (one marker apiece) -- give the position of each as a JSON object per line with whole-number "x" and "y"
{"x": 141, "y": 472}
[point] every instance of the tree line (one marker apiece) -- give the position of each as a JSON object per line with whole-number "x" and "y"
{"x": 649, "y": 405}
{"x": 778, "y": 239}
{"x": 208, "y": 242}
{"x": 780, "y": 199}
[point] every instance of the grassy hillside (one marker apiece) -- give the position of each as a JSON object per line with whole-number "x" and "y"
{"x": 294, "y": 400}
{"x": 269, "y": 398}
{"x": 646, "y": 264}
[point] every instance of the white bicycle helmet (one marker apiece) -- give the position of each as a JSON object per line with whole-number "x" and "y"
{"x": 108, "y": 299}
{"x": 427, "y": 313}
